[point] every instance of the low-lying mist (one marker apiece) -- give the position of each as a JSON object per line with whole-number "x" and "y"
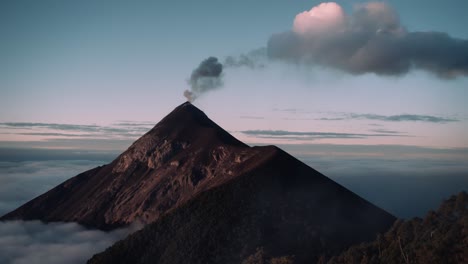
{"x": 32, "y": 242}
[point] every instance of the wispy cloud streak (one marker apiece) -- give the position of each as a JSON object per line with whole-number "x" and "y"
{"x": 392, "y": 118}
{"x": 311, "y": 135}
{"x": 49, "y": 130}
{"x": 252, "y": 117}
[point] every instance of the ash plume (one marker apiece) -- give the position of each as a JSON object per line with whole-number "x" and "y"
{"x": 254, "y": 59}
{"x": 207, "y": 76}
{"x": 370, "y": 40}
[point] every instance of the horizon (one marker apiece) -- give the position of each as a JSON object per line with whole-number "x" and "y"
{"x": 123, "y": 132}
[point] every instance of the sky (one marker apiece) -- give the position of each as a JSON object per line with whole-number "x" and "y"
{"x": 109, "y": 62}
{"x": 371, "y": 94}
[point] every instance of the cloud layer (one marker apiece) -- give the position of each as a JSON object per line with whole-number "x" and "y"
{"x": 22, "y": 181}
{"x": 33, "y": 242}
{"x": 55, "y": 135}
{"x": 369, "y": 40}
{"x": 388, "y": 175}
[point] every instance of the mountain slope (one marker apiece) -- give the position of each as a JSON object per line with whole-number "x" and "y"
{"x": 282, "y": 205}
{"x": 209, "y": 198}
{"x": 184, "y": 154}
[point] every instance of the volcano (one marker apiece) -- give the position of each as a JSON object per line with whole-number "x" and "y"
{"x": 206, "y": 197}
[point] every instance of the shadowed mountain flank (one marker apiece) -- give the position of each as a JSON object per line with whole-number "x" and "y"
{"x": 281, "y": 205}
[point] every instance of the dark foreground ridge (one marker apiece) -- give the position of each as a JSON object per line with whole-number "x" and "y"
{"x": 441, "y": 237}
{"x": 209, "y": 198}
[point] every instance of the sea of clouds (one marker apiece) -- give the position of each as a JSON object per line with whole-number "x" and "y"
{"x": 406, "y": 181}
{"x": 37, "y": 242}
{"x": 34, "y": 242}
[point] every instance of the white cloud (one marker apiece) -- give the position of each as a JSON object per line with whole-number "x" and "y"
{"x": 371, "y": 39}
{"x": 34, "y": 242}
{"x": 22, "y": 181}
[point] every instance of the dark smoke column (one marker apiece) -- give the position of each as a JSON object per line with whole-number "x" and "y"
{"x": 207, "y": 76}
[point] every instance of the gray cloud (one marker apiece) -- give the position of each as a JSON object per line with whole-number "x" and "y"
{"x": 393, "y": 118}
{"x": 251, "y": 117}
{"x": 332, "y": 118}
{"x": 404, "y": 117}
{"x": 255, "y": 59}
{"x": 54, "y": 134}
{"x": 386, "y": 131}
{"x": 33, "y": 242}
{"x": 117, "y": 127}
{"x": 294, "y": 135}
{"x": 135, "y": 124}
{"x": 118, "y": 130}
{"x": 370, "y": 40}
{"x": 207, "y": 76}
{"x": 27, "y": 153}
{"x": 63, "y": 127}
{"x": 290, "y": 110}
{"x": 97, "y": 144}
{"x": 295, "y": 119}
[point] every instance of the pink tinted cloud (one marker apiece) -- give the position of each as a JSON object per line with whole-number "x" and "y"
{"x": 320, "y": 19}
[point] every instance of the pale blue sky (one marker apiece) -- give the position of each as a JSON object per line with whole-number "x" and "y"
{"x": 98, "y": 62}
